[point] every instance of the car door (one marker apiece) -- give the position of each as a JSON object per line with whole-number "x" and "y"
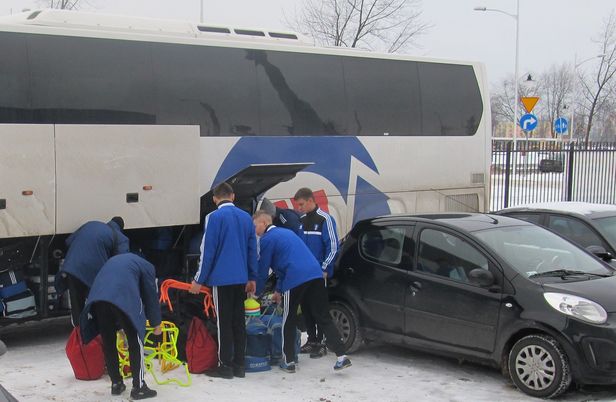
{"x": 381, "y": 272}
{"x": 441, "y": 303}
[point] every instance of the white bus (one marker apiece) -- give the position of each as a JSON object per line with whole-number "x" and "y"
{"x": 104, "y": 115}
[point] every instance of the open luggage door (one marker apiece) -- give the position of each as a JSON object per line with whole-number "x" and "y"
{"x": 250, "y": 183}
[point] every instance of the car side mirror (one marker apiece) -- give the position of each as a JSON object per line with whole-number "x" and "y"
{"x": 600, "y": 252}
{"x": 481, "y": 277}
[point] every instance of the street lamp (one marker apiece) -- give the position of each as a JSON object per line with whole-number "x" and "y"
{"x": 516, "y": 17}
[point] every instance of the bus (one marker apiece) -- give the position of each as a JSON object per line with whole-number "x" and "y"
{"x": 106, "y": 115}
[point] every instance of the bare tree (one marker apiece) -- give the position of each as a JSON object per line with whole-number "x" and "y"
{"x": 556, "y": 85}
{"x": 599, "y": 86}
{"x": 389, "y": 25}
{"x": 61, "y": 4}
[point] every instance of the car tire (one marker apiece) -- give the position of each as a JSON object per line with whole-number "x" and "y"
{"x": 347, "y": 324}
{"x": 539, "y": 367}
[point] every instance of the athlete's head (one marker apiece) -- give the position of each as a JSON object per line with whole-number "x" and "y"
{"x": 304, "y": 199}
{"x": 223, "y": 192}
{"x": 261, "y": 220}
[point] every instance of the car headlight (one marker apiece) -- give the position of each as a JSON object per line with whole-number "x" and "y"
{"x": 578, "y": 307}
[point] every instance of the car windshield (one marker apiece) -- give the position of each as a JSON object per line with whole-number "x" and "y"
{"x": 608, "y": 227}
{"x": 532, "y": 250}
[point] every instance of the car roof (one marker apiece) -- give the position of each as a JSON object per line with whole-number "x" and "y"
{"x": 586, "y": 209}
{"x": 469, "y": 222}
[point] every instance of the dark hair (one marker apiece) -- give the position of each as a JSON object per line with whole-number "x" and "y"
{"x": 223, "y": 190}
{"x": 304, "y": 193}
{"x": 119, "y": 221}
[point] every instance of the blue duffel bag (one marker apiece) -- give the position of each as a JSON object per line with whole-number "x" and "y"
{"x": 258, "y": 345}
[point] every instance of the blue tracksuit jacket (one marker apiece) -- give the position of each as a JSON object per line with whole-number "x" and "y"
{"x": 289, "y": 258}
{"x": 228, "y": 248}
{"x": 128, "y": 282}
{"x": 90, "y": 247}
{"x": 289, "y": 219}
{"x": 321, "y": 238}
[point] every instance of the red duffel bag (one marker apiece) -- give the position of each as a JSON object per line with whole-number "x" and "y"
{"x": 87, "y": 361}
{"x": 201, "y": 348}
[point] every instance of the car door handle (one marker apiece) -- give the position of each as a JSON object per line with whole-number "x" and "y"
{"x": 350, "y": 270}
{"x": 415, "y": 287}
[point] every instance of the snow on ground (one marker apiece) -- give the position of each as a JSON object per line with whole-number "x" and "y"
{"x": 36, "y": 369}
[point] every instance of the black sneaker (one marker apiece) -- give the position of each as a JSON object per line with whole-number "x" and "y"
{"x": 221, "y": 372}
{"x": 307, "y": 347}
{"x": 319, "y": 350}
{"x": 142, "y": 393}
{"x": 117, "y": 388}
{"x": 239, "y": 371}
{"x": 287, "y": 368}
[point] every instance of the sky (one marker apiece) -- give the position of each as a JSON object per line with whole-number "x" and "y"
{"x": 551, "y": 31}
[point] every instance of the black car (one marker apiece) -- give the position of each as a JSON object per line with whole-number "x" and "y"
{"x": 480, "y": 287}
{"x": 591, "y": 226}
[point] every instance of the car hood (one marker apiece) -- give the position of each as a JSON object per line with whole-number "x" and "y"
{"x": 599, "y": 290}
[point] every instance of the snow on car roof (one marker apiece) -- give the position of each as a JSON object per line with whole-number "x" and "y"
{"x": 582, "y": 208}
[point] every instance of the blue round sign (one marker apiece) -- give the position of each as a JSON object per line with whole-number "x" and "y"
{"x": 528, "y": 122}
{"x": 561, "y": 125}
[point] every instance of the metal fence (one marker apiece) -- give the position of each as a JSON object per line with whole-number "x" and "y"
{"x": 552, "y": 171}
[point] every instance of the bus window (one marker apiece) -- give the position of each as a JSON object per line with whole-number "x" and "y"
{"x": 213, "y": 87}
{"x": 14, "y": 85}
{"x": 300, "y": 94}
{"x": 383, "y": 96}
{"x": 451, "y": 101}
{"x": 90, "y": 81}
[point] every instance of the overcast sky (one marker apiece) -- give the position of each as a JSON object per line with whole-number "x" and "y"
{"x": 551, "y": 31}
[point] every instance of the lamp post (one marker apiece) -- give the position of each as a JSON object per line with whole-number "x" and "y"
{"x": 516, "y": 17}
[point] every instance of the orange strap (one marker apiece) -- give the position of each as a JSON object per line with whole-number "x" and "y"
{"x": 208, "y": 304}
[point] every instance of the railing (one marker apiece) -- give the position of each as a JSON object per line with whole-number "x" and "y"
{"x": 552, "y": 172}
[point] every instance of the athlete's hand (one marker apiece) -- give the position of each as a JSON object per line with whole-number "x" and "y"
{"x": 277, "y": 297}
{"x": 195, "y": 288}
{"x": 251, "y": 288}
{"x": 157, "y": 330}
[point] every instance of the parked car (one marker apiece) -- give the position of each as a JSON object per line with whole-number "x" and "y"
{"x": 591, "y": 226}
{"x": 480, "y": 287}
{"x": 551, "y": 162}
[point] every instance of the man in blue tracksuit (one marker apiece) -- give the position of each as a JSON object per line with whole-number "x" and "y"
{"x": 319, "y": 230}
{"x": 283, "y": 217}
{"x": 229, "y": 265}
{"x": 300, "y": 281}
{"x": 123, "y": 296}
{"x": 88, "y": 250}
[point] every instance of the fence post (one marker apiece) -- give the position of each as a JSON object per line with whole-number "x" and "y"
{"x": 507, "y": 174}
{"x": 570, "y": 172}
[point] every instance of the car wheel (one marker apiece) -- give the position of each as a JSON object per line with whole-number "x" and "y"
{"x": 539, "y": 367}
{"x": 347, "y": 323}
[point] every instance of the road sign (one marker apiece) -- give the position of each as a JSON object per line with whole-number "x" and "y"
{"x": 561, "y": 125}
{"x": 528, "y": 122}
{"x": 529, "y": 102}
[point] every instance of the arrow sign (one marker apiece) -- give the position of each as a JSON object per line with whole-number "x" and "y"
{"x": 561, "y": 125}
{"x": 529, "y": 102}
{"x": 528, "y": 122}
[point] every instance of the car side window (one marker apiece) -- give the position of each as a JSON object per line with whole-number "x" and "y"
{"x": 447, "y": 255}
{"x": 532, "y": 218}
{"x": 575, "y": 230}
{"x": 383, "y": 244}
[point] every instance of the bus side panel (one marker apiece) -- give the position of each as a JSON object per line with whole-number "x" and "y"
{"x": 27, "y": 180}
{"x": 149, "y": 175}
